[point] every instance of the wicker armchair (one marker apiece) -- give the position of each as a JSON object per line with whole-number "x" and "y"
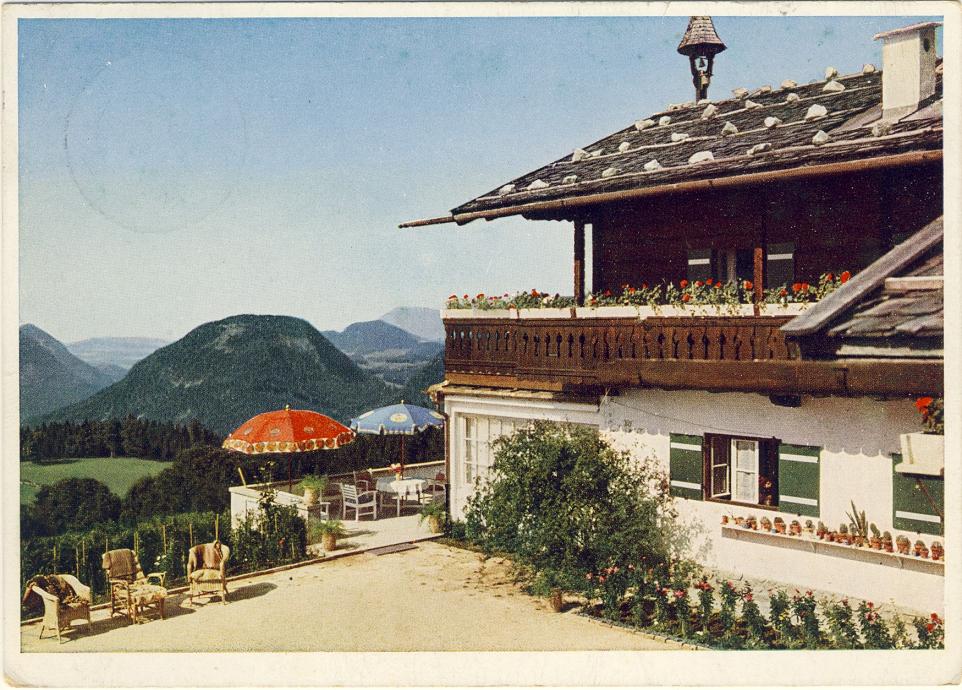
{"x": 131, "y": 591}
{"x": 207, "y": 570}
{"x": 58, "y": 615}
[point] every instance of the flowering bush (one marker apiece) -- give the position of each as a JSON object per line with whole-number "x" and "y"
{"x": 781, "y": 618}
{"x": 874, "y": 631}
{"x": 931, "y": 632}
{"x": 841, "y": 624}
{"x": 756, "y": 627}
{"x": 708, "y": 292}
{"x": 932, "y": 413}
{"x": 706, "y": 601}
{"x": 803, "y": 606}
{"x": 729, "y": 598}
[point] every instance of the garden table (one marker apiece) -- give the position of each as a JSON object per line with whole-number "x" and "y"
{"x": 403, "y": 489}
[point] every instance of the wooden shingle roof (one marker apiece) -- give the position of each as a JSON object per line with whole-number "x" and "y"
{"x": 755, "y": 131}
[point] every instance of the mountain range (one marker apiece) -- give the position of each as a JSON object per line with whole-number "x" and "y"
{"x": 224, "y": 372}
{"x": 55, "y": 376}
{"x": 390, "y": 353}
{"x": 118, "y": 354}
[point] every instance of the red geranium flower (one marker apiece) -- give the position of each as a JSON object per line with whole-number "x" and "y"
{"x": 829, "y": 276}
{"x": 930, "y": 627}
{"x": 748, "y": 285}
{"x": 796, "y": 287}
{"x": 783, "y": 292}
{"x": 718, "y": 285}
{"x": 709, "y": 281}
{"x": 686, "y": 298}
{"x": 607, "y": 293}
{"x": 923, "y": 403}
{"x": 683, "y": 283}
{"x": 466, "y": 297}
{"x": 845, "y": 276}
{"x": 452, "y": 296}
{"x": 698, "y": 283}
{"x": 644, "y": 286}
{"x": 748, "y": 596}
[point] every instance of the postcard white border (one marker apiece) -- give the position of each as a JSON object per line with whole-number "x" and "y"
{"x": 468, "y": 669}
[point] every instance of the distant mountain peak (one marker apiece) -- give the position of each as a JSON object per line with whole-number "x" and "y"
{"x": 423, "y": 322}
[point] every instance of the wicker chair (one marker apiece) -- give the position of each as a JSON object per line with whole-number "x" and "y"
{"x": 434, "y": 492}
{"x": 207, "y": 570}
{"x": 130, "y": 590}
{"x": 58, "y": 615}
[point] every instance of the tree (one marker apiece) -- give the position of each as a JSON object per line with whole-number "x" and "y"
{"x": 563, "y": 502}
{"x": 73, "y": 504}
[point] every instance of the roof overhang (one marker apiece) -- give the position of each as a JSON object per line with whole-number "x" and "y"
{"x": 571, "y": 205}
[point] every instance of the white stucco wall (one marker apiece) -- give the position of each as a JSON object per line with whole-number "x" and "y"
{"x": 857, "y": 436}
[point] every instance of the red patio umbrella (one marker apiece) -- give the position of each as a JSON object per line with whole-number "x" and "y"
{"x": 288, "y": 431}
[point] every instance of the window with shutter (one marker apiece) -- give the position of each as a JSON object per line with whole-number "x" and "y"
{"x": 798, "y": 479}
{"x": 740, "y": 469}
{"x": 780, "y": 264}
{"x": 699, "y": 264}
{"x": 686, "y": 462}
{"x": 917, "y": 502}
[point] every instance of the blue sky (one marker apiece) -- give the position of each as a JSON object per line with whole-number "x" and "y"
{"x": 174, "y": 172}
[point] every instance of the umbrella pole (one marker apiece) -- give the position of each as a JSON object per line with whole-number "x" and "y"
{"x": 290, "y": 477}
{"x": 402, "y": 455}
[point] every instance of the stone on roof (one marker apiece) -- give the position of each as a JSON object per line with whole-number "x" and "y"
{"x": 820, "y": 138}
{"x": 710, "y": 111}
{"x": 651, "y": 165}
{"x": 506, "y": 189}
{"x": 623, "y": 146}
{"x": 847, "y": 117}
{"x": 642, "y": 125}
{"x": 729, "y": 129}
{"x": 569, "y": 179}
{"x": 881, "y": 128}
{"x": 868, "y": 68}
{"x": 830, "y": 73}
{"x": 700, "y": 157}
{"x": 789, "y": 84}
{"x": 578, "y": 155}
{"x": 610, "y": 172}
{"x": 739, "y": 92}
{"x": 792, "y": 98}
{"x": 538, "y": 184}
{"x": 833, "y": 86}
{"x": 772, "y": 121}
{"x": 751, "y": 105}
{"x": 664, "y": 121}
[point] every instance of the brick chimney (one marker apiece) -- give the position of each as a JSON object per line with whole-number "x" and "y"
{"x": 908, "y": 68}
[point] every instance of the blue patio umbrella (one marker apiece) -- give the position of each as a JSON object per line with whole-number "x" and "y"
{"x": 403, "y": 419}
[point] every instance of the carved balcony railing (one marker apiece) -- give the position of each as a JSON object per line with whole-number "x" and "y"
{"x": 573, "y": 352}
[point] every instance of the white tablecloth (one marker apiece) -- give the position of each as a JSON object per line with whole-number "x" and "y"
{"x": 408, "y": 488}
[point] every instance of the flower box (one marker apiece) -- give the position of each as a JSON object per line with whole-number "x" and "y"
{"x": 609, "y": 312}
{"x": 922, "y": 454}
{"x": 479, "y": 314}
{"x": 547, "y": 313}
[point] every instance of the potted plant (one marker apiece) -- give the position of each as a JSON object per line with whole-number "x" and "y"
{"x": 903, "y": 544}
{"x": 435, "y": 514}
{"x": 329, "y": 531}
{"x": 547, "y": 584}
{"x": 822, "y": 530}
{"x": 923, "y": 452}
{"x": 887, "y": 542}
{"x": 724, "y": 519}
{"x": 751, "y": 522}
{"x": 779, "y": 526}
{"x": 858, "y": 525}
{"x": 809, "y": 529}
{"x": 843, "y": 534}
{"x": 795, "y": 528}
{"x": 397, "y": 469}
{"x": 875, "y": 541}
{"x": 766, "y": 525}
{"x": 937, "y": 551}
{"x": 313, "y": 486}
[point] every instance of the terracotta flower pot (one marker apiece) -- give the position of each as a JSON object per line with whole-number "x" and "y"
{"x": 875, "y": 543}
{"x": 434, "y": 524}
{"x": 780, "y": 528}
{"x": 888, "y": 547}
{"x": 328, "y": 541}
{"x": 724, "y": 519}
{"x": 311, "y": 496}
{"x": 556, "y": 600}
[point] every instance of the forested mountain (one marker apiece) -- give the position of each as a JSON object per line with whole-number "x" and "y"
{"x": 50, "y": 376}
{"x": 224, "y": 372}
{"x": 387, "y": 351}
{"x": 428, "y": 375}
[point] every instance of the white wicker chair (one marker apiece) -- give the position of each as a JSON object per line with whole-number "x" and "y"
{"x": 59, "y": 616}
{"x": 360, "y": 502}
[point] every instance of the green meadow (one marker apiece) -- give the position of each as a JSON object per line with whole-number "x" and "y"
{"x": 117, "y": 473}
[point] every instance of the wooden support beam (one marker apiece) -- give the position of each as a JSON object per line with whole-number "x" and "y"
{"x": 758, "y": 276}
{"x": 579, "y": 264}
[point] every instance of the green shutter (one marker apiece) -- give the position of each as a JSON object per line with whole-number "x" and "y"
{"x": 686, "y": 466}
{"x": 798, "y": 479}
{"x": 912, "y": 509}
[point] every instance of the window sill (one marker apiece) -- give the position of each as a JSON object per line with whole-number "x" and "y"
{"x": 739, "y": 504}
{"x": 835, "y": 549}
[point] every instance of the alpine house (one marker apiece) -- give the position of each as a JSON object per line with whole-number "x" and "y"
{"x": 779, "y": 412}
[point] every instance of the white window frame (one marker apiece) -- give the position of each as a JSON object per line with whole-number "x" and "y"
{"x": 478, "y": 435}
{"x": 712, "y": 464}
{"x": 736, "y": 470}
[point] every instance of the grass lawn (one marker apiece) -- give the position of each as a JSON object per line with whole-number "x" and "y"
{"x": 117, "y": 473}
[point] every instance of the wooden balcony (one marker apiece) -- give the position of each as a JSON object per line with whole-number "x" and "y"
{"x": 715, "y": 353}
{"x": 570, "y": 353}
